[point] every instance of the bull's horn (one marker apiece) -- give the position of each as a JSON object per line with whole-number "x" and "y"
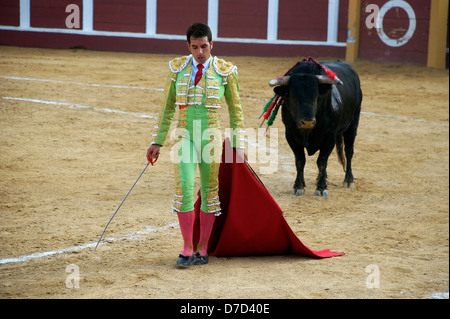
{"x": 327, "y": 80}
{"x": 282, "y": 80}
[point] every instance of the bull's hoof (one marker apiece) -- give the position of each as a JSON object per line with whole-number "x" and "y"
{"x": 298, "y": 191}
{"x": 348, "y": 184}
{"x": 321, "y": 192}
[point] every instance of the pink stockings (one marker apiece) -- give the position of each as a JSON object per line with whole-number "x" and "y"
{"x": 206, "y": 225}
{"x": 187, "y": 231}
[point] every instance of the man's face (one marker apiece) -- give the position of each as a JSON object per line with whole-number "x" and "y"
{"x": 200, "y": 49}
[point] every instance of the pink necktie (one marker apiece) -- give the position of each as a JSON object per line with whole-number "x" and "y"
{"x": 199, "y": 74}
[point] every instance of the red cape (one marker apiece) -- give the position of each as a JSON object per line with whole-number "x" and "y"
{"x": 251, "y": 222}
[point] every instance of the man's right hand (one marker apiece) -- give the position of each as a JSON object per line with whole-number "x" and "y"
{"x": 153, "y": 152}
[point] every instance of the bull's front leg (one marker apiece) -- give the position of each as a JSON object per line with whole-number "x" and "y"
{"x": 294, "y": 142}
{"x": 322, "y": 162}
{"x": 321, "y": 189}
{"x": 299, "y": 184}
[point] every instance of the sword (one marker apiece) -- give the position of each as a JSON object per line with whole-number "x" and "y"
{"x": 151, "y": 161}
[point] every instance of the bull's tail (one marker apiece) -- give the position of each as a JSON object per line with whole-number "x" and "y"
{"x": 340, "y": 150}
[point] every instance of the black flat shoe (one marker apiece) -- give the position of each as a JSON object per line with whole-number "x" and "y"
{"x": 200, "y": 260}
{"x": 184, "y": 261}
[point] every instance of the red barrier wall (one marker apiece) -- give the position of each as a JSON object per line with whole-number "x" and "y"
{"x": 243, "y": 19}
{"x": 399, "y": 45}
{"x": 174, "y": 16}
{"x": 50, "y": 13}
{"x": 119, "y": 15}
{"x": 251, "y": 27}
{"x": 10, "y": 12}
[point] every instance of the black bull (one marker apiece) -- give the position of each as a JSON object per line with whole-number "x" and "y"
{"x": 319, "y": 113}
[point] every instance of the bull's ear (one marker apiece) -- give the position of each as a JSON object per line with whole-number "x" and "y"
{"x": 281, "y": 90}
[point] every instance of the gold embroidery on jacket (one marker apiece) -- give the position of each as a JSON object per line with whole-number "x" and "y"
{"x": 178, "y": 64}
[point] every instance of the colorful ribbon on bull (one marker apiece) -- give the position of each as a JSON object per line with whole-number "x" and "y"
{"x": 271, "y": 108}
{"x": 328, "y": 72}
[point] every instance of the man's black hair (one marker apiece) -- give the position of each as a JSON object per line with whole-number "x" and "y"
{"x": 198, "y": 30}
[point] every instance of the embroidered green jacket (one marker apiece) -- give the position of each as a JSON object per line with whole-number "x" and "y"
{"x": 220, "y": 81}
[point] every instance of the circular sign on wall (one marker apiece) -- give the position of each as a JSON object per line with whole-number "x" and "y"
{"x": 412, "y": 23}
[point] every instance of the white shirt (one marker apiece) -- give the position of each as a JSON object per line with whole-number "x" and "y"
{"x": 195, "y": 68}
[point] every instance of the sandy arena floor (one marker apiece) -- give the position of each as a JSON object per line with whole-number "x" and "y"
{"x": 74, "y": 129}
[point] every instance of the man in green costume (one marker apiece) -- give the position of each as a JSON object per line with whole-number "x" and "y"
{"x": 196, "y": 86}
